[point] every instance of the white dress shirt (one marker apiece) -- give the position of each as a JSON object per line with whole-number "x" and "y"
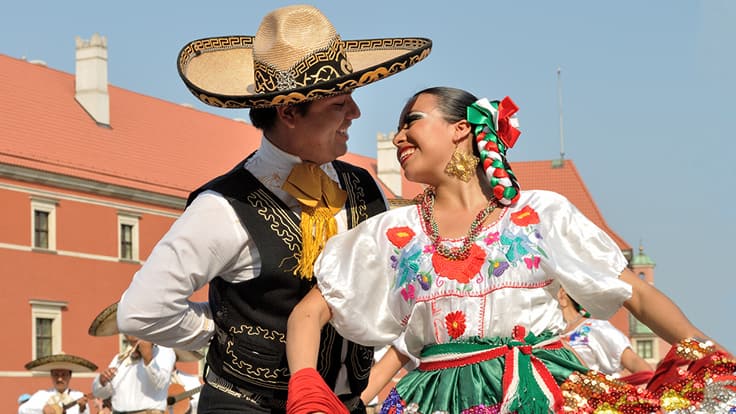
{"x": 38, "y": 400}
{"x": 137, "y": 386}
{"x": 205, "y": 242}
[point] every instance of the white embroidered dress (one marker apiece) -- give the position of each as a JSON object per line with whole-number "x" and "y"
{"x": 600, "y": 345}
{"x": 383, "y": 278}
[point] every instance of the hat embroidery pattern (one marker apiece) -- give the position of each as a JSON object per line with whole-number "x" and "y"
{"x": 319, "y": 66}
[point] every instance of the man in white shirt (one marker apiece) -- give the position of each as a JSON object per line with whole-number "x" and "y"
{"x": 60, "y": 398}
{"x": 253, "y": 234}
{"x": 137, "y": 381}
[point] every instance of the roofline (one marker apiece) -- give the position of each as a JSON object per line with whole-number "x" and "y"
{"x": 90, "y": 186}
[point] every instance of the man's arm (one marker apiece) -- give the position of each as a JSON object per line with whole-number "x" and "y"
{"x": 199, "y": 245}
{"x": 160, "y": 366}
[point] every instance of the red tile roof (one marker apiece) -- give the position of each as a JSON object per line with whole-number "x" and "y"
{"x": 163, "y": 147}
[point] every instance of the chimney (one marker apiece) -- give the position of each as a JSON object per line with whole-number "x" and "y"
{"x": 91, "y": 79}
{"x": 389, "y": 169}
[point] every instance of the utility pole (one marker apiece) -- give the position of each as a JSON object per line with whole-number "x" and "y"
{"x": 559, "y": 103}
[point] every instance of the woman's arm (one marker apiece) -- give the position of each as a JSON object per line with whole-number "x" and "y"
{"x": 303, "y": 330}
{"x": 382, "y": 373}
{"x": 633, "y": 362}
{"x": 657, "y": 311}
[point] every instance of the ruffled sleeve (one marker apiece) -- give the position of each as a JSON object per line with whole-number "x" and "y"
{"x": 585, "y": 260}
{"x": 612, "y": 344}
{"x": 355, "y": 275}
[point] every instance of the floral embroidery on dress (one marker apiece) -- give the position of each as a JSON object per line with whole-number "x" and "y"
{"x": 400, "y": 236}
{"x": 455, "y": 323}
{"x": 580, "y": 336}
{"x": 525, "y": 217}
{"x": 425, "y": 280}
{"x": 460, "y": 270}
{"x": 497, "y": 267}
{"x": 407, "y": 266}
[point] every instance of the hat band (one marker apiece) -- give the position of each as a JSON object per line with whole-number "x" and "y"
{"x": 317, "y": 67}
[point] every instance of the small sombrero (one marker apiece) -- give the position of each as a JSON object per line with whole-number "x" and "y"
{"x": 105, "y": 324}
{"x": 61, "y": 361}
{"x": 183, "y": 355}
{"x": 295, "y": 56}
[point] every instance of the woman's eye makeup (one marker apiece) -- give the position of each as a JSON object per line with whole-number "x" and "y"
{"x": 411, "y": 117}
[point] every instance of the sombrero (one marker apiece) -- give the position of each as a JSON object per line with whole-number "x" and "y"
{"x": 61, "y": 361}
{"x": 295, "y": 56}
{"x": 183, "y": 355}
{"x": 105, "y": 324}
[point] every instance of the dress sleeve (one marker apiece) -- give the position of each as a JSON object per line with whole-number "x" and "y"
{"x": 355, "y": 276}
{"x": 585, "y": 260}
{"x": 612, "y": 343}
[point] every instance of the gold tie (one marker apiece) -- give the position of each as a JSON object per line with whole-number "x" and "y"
{"x": 320, "y": 199}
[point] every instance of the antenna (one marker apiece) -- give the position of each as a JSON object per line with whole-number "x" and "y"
{"x": 559, "y": 103}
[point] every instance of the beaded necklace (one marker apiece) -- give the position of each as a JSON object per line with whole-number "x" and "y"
{"x": 430, "y": 226}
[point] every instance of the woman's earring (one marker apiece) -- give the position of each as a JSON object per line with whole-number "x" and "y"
{"x": 462, "y": 165}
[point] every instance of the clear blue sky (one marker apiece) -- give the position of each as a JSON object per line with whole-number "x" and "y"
{"x": 648, "y": 93}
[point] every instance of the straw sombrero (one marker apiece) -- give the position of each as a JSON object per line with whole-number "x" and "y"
{"x": 105, "y": 324}
{"x": 295, "y": 56}
{"x": 183, "y": 355}
{"x": 61, "y": 361}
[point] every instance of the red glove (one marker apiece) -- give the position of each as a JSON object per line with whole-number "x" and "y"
{"x": 308, "y": 393}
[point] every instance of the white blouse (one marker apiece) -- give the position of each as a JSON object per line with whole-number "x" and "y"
{"x": 383, "y": 278}
{"x": 600, "y": 345}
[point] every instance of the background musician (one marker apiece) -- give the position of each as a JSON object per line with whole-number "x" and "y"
{"x": 60, "y": 398}
{"x": 137, "y": 381}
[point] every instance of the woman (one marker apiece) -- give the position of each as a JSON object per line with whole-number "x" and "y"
{"x": 598, "y": 343}
{"x": 470, "y": 277}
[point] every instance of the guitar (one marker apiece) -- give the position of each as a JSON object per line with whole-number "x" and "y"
{"x": 178, "y": 400}
{"x": 61, "y": 409}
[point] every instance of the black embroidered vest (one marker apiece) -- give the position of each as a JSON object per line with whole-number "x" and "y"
{"x": 249, "y": 346}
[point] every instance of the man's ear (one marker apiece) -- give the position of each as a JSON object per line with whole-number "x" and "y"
{"x": 287, "y": 114}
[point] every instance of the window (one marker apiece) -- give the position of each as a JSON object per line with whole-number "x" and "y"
{"x": 44, "y": 337}
{"x": 128, "y": 236}
{"x": 645, "y": 348}
{"x": 43, "y": 224}
{"x": 642, "y": 276}
{"x": 126, "y": 241}
{"x": 46, "y": 327}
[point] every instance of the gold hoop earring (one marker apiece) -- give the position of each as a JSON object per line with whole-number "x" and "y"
{"x": 462, "y": 165}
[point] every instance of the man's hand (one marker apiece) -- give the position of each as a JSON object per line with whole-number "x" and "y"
{"x": 82, "y": 402}
{"x": 107, "y": 375}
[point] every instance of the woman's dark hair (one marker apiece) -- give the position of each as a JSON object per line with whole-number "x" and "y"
{"x": 265, "y": 118}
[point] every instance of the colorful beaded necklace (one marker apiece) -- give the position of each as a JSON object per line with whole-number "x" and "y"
{"x": 430, "y": 226}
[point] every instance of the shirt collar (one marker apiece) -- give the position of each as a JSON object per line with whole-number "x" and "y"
{"x": 272, "y": 154}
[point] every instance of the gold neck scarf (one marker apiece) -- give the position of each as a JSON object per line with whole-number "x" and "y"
{"x": 321, "y": 199}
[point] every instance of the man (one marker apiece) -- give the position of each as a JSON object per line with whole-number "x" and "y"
{"x": 253, "y": 234}
{"x": 60, "y": 398}
{"x": 137, "y": 380}
{"x": 186, "y": 385}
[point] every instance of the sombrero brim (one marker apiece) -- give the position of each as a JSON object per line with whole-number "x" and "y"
{"x": 61, "y": 361}
{"x": 219, "y": 70}
{"x": 105, "y": 324}
{"x": 187, "y": 356}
